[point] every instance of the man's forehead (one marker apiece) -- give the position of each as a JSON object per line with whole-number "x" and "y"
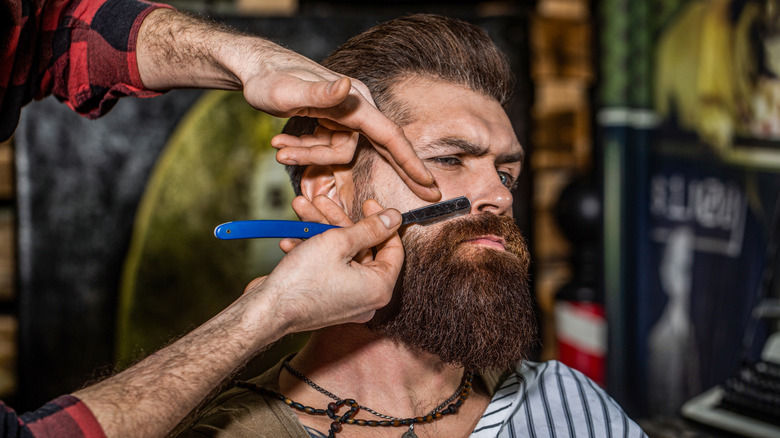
{"x": 442, "y": 115}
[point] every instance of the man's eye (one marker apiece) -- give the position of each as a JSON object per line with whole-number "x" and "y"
{"x": 506, "y": 179}
{"x": 446, "y": 161}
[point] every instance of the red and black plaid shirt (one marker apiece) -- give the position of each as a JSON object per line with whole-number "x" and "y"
{"x": 63, "y": 417}
{"x": 82, "y": 51}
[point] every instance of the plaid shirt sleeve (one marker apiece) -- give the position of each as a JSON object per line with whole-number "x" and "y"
{"x": 63, "y": 417}
{"x": 82, "y": 51}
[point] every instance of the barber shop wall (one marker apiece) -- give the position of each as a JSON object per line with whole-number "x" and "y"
{"x": 79, "y": 185}
{"x": 689, "y": 144}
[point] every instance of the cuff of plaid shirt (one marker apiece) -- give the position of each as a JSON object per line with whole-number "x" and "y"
{"x": 65, "y": 416}
{"x": 100, "y": 65}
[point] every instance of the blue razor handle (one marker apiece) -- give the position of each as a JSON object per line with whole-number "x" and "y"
{"x": 259, "y": 229}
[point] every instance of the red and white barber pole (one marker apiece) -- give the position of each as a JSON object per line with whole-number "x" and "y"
{"x": 580, "y": 318}
{"x": 581, "y": 330}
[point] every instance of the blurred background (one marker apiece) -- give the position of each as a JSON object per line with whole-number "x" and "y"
{"x": 650, "y": 198}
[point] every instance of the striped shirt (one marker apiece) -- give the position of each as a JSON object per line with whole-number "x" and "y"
{"x": 552, "y": 400}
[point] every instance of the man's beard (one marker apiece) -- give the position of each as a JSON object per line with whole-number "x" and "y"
{"x": 467, "y": 304}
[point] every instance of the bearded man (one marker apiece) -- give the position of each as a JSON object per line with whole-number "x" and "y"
{"x": 446, "y": 357}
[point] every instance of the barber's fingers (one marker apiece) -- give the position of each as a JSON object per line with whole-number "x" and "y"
{"x": 324, "y": 147}
{"x": 338, "y": 102}
{"x": 387, "y": 261}
{"x": 321, "y": 209}
{"x": 324, "y": 210}
{"x": 390, "y": 141}
{"x": 361, "y": 115}
{"x": 389, "y": 258}
{"x": 292, "y": 95}
{"x": 324, "y": 94}
{"x": 355, "y": 113}
{"x": 307, "y": 211}
{"x": 367, "y": 233}
{"x": 331, "y": 144}
{"x": 371, "y": 206}
{"x": 323, "y": 269}
{"x": 334, "y": 213}
{"x": 289, "y": 244}
{"x": 322, "y": 136}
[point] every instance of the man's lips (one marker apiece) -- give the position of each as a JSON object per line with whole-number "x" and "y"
{"x": 490, "y": 241}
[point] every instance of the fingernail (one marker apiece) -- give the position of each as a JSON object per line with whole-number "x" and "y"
{"x": 286, "y": 160}
{"x": 385, "y": 220}
{"x": 389, "y": 220}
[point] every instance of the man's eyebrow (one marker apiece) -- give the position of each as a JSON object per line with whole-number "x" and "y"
{"x": 470, "y": 148}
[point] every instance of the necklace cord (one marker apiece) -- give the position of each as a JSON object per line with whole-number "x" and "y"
{"x": 453, "y": 404}
{"x": 299, "y": 375}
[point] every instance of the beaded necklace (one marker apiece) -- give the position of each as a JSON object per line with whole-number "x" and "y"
{"x": 460, "y": 396}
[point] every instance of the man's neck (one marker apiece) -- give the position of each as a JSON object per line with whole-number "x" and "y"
{"x": 352, "y": 362}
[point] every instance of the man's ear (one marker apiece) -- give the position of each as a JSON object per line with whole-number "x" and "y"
{"x": 335, "y": 182}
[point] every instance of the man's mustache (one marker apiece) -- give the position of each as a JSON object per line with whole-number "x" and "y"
{"x": 469, "y": 227}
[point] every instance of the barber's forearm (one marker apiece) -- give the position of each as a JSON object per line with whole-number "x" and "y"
{"x": 153, "y": 396}
{"x": 177, "y": 50}
{"x": 150, "y": 398}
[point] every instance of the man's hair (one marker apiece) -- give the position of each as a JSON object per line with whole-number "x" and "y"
{"x": 422, "y": 45}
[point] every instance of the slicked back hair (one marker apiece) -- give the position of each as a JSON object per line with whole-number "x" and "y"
{"x": 421, "y": 45}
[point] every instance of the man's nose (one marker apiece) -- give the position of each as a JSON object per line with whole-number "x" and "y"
{"x": 489, "y": 195}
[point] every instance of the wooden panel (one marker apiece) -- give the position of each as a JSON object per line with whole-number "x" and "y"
{"x": 6, "y": 170}
{"x": 8, "y": 354}
{"x": 7, "y": 255}
{"x": 267, "y": 7}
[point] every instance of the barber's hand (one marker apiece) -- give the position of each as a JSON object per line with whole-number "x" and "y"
{"x": 319, "y": 283}
{"x": 322, "y": 209}
{"x": 176, "y": 50}
{"x": 292, "y": 85}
